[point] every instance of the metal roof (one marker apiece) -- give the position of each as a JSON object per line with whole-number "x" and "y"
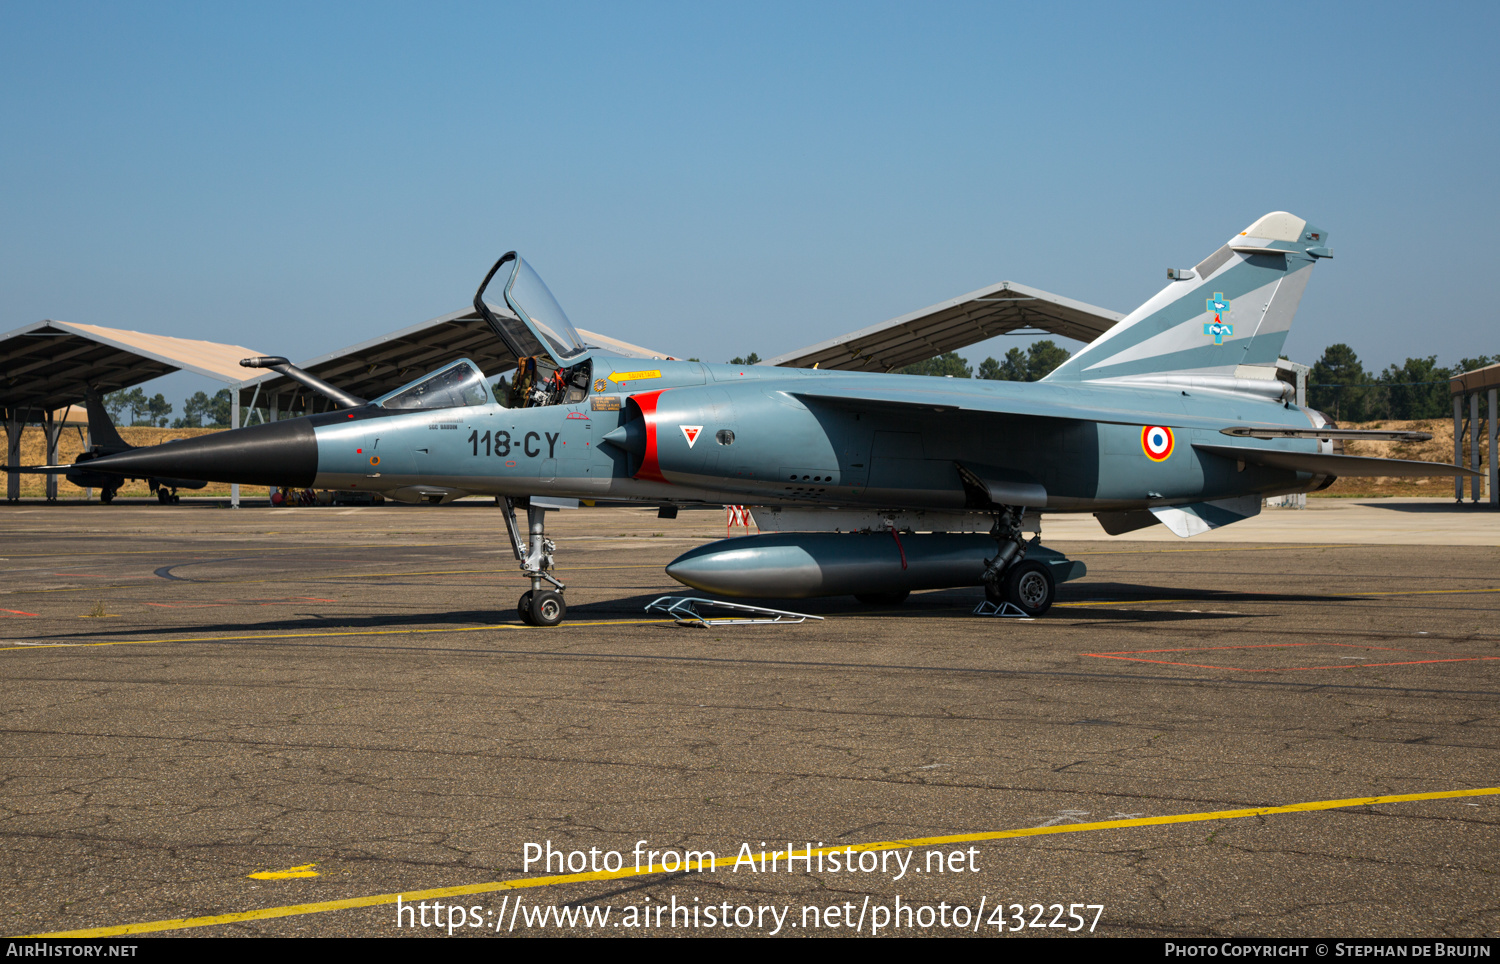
{"x": 1475, "y": 381}
{"x": 951, "y": 325}
{"x": 380, "y": 365}
{"x": 46, "y": 365}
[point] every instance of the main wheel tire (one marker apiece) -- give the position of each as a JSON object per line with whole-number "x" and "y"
{"x": 163, "y": 496}
{"x": 106, "y": 496}
{"x": 548, "y": 609}
{"x": 523, "y": 607}
{"x": 1029, "y": 587}
{"x": 893, "y": 598}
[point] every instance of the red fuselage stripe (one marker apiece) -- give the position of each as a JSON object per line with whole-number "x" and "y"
{"x": 650, "y": 469}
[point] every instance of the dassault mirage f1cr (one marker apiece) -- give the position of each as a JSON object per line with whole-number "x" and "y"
{"x": 876, "y": 484}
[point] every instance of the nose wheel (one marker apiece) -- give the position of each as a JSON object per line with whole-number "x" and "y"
{"x": 541, "y": 609}
{"x": 538, "y": 606}
{"x": 546, "y": 608}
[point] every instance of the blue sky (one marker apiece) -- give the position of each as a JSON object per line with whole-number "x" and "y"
{"x": 713, "y": 179}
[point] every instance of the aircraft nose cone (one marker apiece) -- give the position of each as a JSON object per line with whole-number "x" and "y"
{"x": 281, "y": 453}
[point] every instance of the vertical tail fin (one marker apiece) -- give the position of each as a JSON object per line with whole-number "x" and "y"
{"x": 1227, "y": 317}
{"x": 102, "y": 432}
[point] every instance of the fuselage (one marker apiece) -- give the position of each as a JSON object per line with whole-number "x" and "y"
{"x": 669, "y": 431}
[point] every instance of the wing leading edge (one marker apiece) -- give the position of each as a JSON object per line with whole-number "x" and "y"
{"x": 916, "y": 401}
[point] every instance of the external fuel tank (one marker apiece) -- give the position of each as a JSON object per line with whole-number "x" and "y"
{"x": 802, "y": 565}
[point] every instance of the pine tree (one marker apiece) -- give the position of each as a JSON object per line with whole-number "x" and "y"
{"x": 1330, "y": 384}
{"x": 947, "y": 364}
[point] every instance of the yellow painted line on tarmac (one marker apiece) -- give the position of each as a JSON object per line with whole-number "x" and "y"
{"x": 460, "y": 572}
{"x": 306, "y": 870}
{"x": 415, "y": 896}
{"x": 30, "y": 647}
{"x": 318, "y": 577}
{"x": 134, "y": 585}
{"x": 1333, "y": 596}
{"x": 1418, "y": 592}
{"x": 1132, "y": 602}
{"x": 169, "y": 552}
{"x": 1276, "y": 548}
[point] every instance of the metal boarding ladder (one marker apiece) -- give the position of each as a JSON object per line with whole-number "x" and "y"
{"x": 682, "y": 609}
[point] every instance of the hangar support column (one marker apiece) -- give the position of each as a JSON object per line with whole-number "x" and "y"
{"x": 1458, "y": 443}
{"x": 15, "y": 424}
{"x": 52, "y": 431}
{"x": 234, "y": 422}
{"x": 1494, "y": 462}
{"x": 1475, "y": 481}
{"x": 1482, "y": 381}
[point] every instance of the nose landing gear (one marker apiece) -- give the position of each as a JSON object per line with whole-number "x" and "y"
{"x": 538, "y": 606}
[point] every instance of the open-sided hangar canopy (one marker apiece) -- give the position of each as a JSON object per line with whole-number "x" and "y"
{"x": 45, "y": 365}
{"x": 951, "y": 325}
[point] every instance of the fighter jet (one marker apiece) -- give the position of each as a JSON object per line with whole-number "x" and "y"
{"x": 875, "y": 484}
{"x": 105, "y": 440}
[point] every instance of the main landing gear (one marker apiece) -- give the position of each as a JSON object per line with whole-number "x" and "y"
{"x": 1010, "y": 577}
{"x": 538, "y": 606}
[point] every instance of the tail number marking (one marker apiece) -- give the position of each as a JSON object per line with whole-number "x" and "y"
{"x": 499, "y": 444}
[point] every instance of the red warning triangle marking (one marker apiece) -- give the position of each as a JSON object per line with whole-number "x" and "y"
{"x": 690, "y": 432}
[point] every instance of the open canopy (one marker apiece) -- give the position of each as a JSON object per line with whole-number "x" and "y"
{"x": 536, "y": 324}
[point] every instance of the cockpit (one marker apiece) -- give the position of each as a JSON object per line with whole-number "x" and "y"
{"x": 454, "y": 386}
{"x": 552, "y": 364}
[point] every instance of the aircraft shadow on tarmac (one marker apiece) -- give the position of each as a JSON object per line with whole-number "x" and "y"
{"x": 945, "y": 604}
{"x": 313, "y": 622}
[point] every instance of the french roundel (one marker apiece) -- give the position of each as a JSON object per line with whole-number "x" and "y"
{"x": 1156, "y": 442}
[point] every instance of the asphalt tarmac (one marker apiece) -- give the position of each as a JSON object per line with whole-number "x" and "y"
{"x": 344, "y": 699}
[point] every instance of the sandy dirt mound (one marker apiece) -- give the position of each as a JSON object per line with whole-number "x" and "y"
{"x": 1439, "y": 449}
